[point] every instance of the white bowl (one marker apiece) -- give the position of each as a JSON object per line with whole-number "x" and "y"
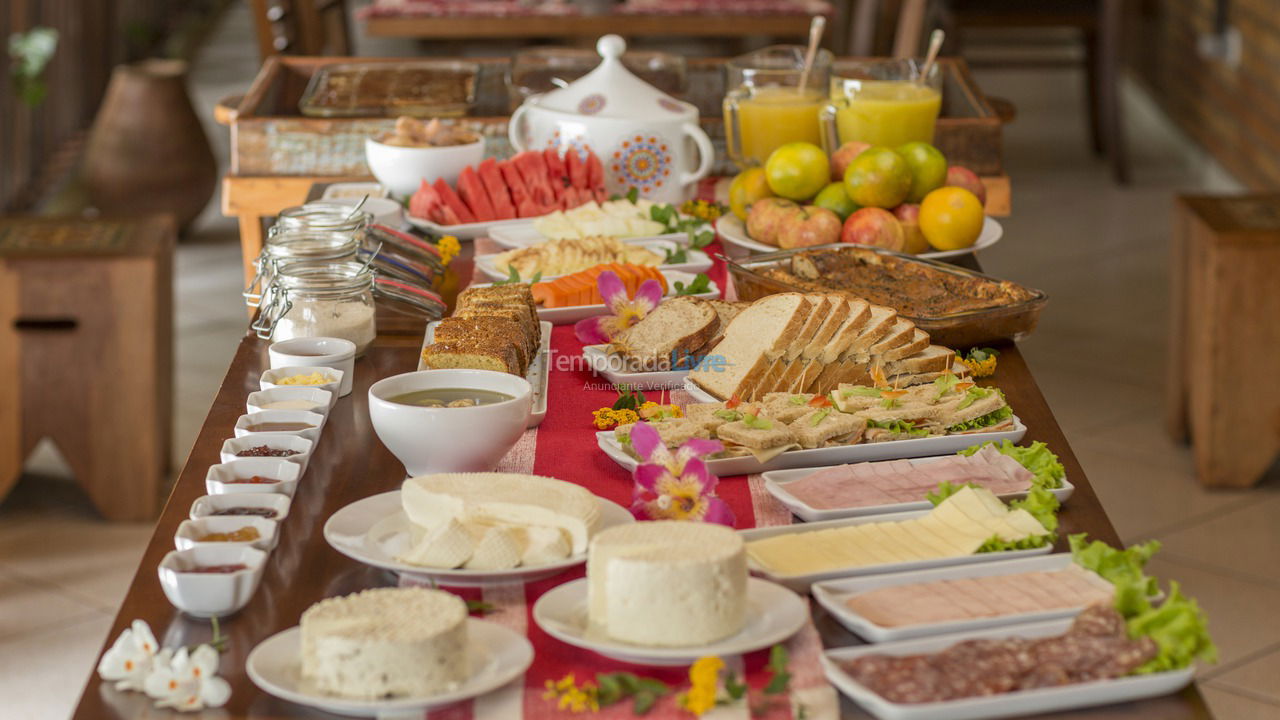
{"x": 211, "y": 594}
{"x": 402, "y": 169}
{"x": 330, "y": 352}
{"x": 208, "y": 505}
{"x": 315, "y": 420}
{"x": 464, "y": 439}
{"x": 384, "y": 211}
{"x": 316, "y": 400}
{"x": 223, "y": 478}
{"x": 280, "y": 441}
{"x": 190, "y": 532}
{"x": 270, "y": 378}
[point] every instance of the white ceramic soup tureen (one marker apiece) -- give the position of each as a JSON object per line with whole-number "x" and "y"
{"x": 645, "y": 138}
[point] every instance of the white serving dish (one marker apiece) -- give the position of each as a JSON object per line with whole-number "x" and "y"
{"x": 205, "y": 595}
{"x": 697, "y": 261}
{"x": 1014, "y": 704}
{"x": 330, "y": 352}
{"x": 831, "y": 595}
{"x": 375, "y": 530}
{"x": 820, "y": 457}
{"x": 498, "y": 655}
{"x": 318, "y": 400}
{"x": 206, "y": 505}
{"x": 190, "y": 530}
{"x": 607, "y": 364}
{"x": 524, "y": 235}
{"x": 463, "y": 231}
{"x": 271, "y": 377}
{"x": 774, "y": 614}
{"x": 801, "y": 583}
{"x": 402, "y": 169}
{"x": 538, "y": 375}
{"x": 734, "y": 234}
{"x": 279, "y": 441}
{"x": 248, "y": 420}
{"x": 574, "y": 313}
{"x": 775, "y": 481}
{"x": 357, "y": 190}
{"x": 222, "y": 478}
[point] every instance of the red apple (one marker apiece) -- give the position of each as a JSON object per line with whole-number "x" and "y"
{"x": 844, "y": 155}
{"x": 963, "y": 177}
{"x": 908, "y": 215}
{"x": 876, "y": 227}
{"x": 766, "y": 217}
{"x": 812, "y": 225}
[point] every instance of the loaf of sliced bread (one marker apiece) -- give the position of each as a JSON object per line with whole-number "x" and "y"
{"x": 669, "y": 335}
{"x": 755, "y": 337}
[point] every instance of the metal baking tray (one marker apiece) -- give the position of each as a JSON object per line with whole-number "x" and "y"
{"x": 421, "y": 88}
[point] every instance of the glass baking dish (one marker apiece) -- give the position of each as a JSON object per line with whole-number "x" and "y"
{"x": 958, "y": 330}
{"x": 420, "y": 88}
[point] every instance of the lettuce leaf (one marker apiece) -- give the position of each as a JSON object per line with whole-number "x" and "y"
{"x": 903, "y": 427}
{"x": 860, "y": 391}
{"x": 944, "y": 385}
{"x": 1037, "y": 458}
{"x": 1121, "y": 568}
{"x": 1043, "y": 506}
{"x": 1179, "y": 628}
{"x": 992, "y": 418}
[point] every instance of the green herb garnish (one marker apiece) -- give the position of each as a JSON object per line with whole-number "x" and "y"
{"x": 759, "y": 423}
{"x": 700, "y": 284}
{"x": 818, "y": 417}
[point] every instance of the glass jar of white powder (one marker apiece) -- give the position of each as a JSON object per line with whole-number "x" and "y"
{"x": 319, "y": 298}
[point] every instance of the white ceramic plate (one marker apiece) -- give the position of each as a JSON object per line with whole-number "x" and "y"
{"x": 801, "y": 583}
{"x": 375, "y": 530}
{"x": 498, "y": 655}
{"x": 776, "y": 481}
{"x": 538, "y": 374}
{"x": 1023, "y": 702}
{"x": 463, "y": 231}
{"x": 609, "y": 365}
{"x": 774, "y": 614}
{"x": 734, "y": 233}
{"x": 517, "y": 236}
{"x": 572, "y": 314}
{"x": 697, "y": 260}
{"x": 833, "y": 593}
{"x": 839, "y": 455}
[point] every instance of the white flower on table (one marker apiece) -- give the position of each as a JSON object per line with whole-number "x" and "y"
{"x": 132, "y": 657}
{"x": 189, "y": 681}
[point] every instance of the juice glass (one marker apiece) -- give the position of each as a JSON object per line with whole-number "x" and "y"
{"x": 766, "y": 106}
{"x": 881, "y": 102}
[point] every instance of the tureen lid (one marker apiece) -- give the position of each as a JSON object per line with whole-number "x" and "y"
{"x": 611, "y": 90}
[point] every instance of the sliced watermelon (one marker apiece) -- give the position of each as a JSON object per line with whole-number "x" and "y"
{"x": 533, "y": 170}
{"x": 577, "y": 170}
{"x": 601, "y": 195}
{"x": 496, "y": 187}
{"x": 473, "y": 194}
{"x": 454, "y": 203}
{"x": 447, "y": 216}
{"x": 422, "y": 202}
{"x": 595, "y": 172}
{"x": 556, "y": 172}
{"x": 515, "y": 183}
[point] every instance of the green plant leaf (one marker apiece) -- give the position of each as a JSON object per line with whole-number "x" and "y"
{"x": 699, "y": 285}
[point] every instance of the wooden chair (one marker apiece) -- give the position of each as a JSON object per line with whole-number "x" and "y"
{"x": 301, "y": 27}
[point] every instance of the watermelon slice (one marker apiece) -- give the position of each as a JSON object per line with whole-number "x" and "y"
{"x": 453, "y": 203}
{"x": 533, "y": 170}
{"x": 556, "y": 172}
{"x": 473, "y": 194}
{"x": 422, "y": 202}
{"x": 601, "y": 195}
{"x": 519, "y": 194}
{"x": 496, "y": 187}
{"x": 595, "y": 172}
{"x": 577, "y": 170}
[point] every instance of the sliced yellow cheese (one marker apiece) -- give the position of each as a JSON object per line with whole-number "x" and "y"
{"x": 940, "y": 546}
{"x": 882, "y": 544}
{"x": 907, "y": 543}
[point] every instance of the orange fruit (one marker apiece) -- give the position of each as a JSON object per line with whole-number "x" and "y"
{"x": 928, "y": 168}
{"x": 878, "y": 177}
{"x": 951, "y": 218}
{"x": 797, "y": 171}
{"x": 836, "y": 199}
{"x": 747, "y": 187}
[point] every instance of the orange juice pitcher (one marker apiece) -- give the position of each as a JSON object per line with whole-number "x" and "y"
{"x": 881, "y": 102}
{"x": 767, "y": 108}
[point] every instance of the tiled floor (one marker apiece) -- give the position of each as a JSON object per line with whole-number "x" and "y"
{"x": 1099, "y": 250}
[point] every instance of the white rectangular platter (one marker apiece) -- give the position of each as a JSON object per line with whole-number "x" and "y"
{"x": 839, "y": 455}
{"x": 524, "y": 235}
{"x": 1015, "y": 704}
{"x": 572, "y": 314}
{"x": 801, "y": 583}
{"x": 696, "y": 260}
{"x": 831, "y": 595}
{"x": 539, "y": 370}
{"x": 463, "y": 231}
{"x": 604, "y": 363}
{"x": 775, "y": 481}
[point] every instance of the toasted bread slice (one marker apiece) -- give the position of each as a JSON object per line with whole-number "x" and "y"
{"x": 768, "y": 326}
{"x": 461, "y": 330}
{"x": 667, "y": 336}
{"x": 472, "y": 356}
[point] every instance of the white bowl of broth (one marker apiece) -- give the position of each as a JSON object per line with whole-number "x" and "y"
{"x": 450, "y": 420}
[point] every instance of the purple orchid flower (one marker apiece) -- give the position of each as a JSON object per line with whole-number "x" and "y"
{"x": 675, "y": 486}
{"x": 623, "y": 311}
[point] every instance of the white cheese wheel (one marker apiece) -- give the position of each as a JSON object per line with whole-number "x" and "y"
{"x": 499, "y": 549}
{"x": 447, "y": 546}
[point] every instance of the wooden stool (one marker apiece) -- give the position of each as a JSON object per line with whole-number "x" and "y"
{"x": 1224, "y": 359}
{"x": 86, "y": 358}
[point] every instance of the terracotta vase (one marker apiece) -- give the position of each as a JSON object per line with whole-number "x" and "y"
{"x": 147, "y": 151}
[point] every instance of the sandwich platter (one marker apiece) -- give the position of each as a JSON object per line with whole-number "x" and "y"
{"x": 696, "y": 260}
{"x": 734, "y": 233}
{"x": 375, "y": 531}
{"x": 497, "y": 654}
{"x": 774, "y": 614}
{"x": 538, "y": 374}
{"x": 574, "y": 313}
{"x": 1019, "y": 703}
{"x": 775, "y": 481}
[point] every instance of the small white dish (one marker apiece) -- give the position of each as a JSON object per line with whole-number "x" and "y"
{"x": 315, "y": 421}
{"x": 384, "y": 210}
{"x": 330, "y": 352}
{"x": 206, "y": 594}
{"x": 271, "y": 378}
{"x": 734, "y": 234}
{"x": 774, "y": 614}
{"x": 312, "y": 399}
{"x": 227, "y": 477}
{"x": 211, "y": 505}
{"x": 696, "y": 261}
{"x": 190, "y": 532}
{"x": 497, "y": 654}
{"x": 403, "y": 169}
{"x": 276, "y": 441}
{"x": 357, "y": 190}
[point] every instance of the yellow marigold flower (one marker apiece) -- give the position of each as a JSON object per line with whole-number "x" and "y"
{"x": 626, "y": 417}
{"x": 568, "y": 696}
{"x": 704, "y": 676}
{"x": 981, "y": 368}
{"x": 449, "y": 248}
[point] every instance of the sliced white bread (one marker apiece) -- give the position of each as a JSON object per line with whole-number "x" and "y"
{"x": 957, "y": 368}
{"x": 850, "y": 367}
{"x": 675, "y": 329}
{"x": 845, "y": 335}
{"x": 919, "y": 341}
{"x": 792, "y": 377}
{"x": 725, "y": 312}
{"x": 902, "y": 332}
{"x": 765, "y": 328}
{"x": 768, "y": 381}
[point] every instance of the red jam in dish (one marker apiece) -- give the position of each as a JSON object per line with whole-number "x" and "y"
{"x": 211, "y": 569}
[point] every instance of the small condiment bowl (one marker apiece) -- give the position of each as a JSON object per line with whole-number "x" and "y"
{"x": 303, "y": 417}
{"x": 270, "y": 378}
{"x": 280, "y": 441}
{"x": 190, "y": 532}
{"x": 330, "y": 352}
{"x": 209, "y": 505}
{"x": 317, "y": 400}
{"x": 402, "y": 169}
{"x": 224, "y": 478}
{"x": 207, "y": 595}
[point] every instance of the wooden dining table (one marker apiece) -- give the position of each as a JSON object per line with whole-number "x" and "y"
{"x": 350, "y": 463}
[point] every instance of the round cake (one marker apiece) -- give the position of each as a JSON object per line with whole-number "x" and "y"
{"x": 386, "y": 642}
{"x": 670, "y": 584}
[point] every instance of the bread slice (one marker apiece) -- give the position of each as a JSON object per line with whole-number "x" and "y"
{"x": 471, "y": 356}
{"x": 478, "y": 331}
{"x": 816, "y": 427}
{"x": 771, "y": 379}
{"x": 521, "y": 293}
{"x": 845, "y": 335}
{"x": 851, "y": 366}
{"x": 903, "y": 380}
{"x": 766, "y": 327}
{"x": 933, "y": 358}
{"x": 530, "y": 329}
{"x": 918, "y": 342}
{"x": 792, "y": 378}
{"x": 901, "y": 333}
{"x": 668, "y": 335}
{"x": 725, "y": 311}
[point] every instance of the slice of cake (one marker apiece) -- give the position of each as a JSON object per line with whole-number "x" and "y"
{"x": 670, "y": 584}
{"x": 385, "y": 642}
